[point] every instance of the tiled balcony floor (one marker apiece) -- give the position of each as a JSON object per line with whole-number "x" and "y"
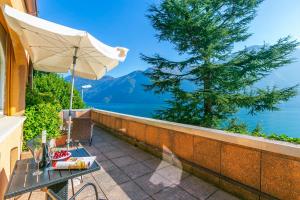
{"x": 130, "y": 173}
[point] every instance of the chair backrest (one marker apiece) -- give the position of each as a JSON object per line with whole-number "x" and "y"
{"x": 83, "y": 114}
{"x": 76, "y": 114}
{"x": 82, "y": 129}
{"x": 65, "y": 114}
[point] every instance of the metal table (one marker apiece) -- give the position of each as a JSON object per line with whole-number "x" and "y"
{"x": 22, "y": 180}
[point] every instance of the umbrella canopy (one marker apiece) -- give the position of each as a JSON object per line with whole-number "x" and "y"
{"x": 52, "y": 46}
{"x": 56, "y": 48}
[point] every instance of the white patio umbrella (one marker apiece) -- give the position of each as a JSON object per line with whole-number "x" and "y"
{"x": 56, "y": 48}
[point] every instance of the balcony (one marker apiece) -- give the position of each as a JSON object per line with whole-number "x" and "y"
{"x": 144, "y": 158}
{"x": 131, "y": 173}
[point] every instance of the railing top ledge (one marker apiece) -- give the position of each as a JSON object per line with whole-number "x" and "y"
{"x": 258, "y": 143}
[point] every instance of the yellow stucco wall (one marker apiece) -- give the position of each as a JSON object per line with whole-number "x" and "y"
{"x": 14, "y": 102}
{"x": 10, "y": 149}
{"x": 17, "y": 4}
{"x": 17, "y": 67}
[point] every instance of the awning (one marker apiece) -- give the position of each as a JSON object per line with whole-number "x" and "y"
{"x": 52, "y": 46}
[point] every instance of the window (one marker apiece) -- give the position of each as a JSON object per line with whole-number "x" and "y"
{"x": 2, "y": 67}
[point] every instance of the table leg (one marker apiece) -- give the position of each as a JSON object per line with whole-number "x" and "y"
{"x": 60, "y": 189}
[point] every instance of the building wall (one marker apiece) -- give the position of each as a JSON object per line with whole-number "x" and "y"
{"x": 16, "y": 67}
{"x": 14, "y": 101}
{"x": 10, "y": 148}
{"x": 247, "y": 166}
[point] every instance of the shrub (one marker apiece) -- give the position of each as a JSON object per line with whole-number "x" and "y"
{"x": 283, "y": 137}
{"x": 258, "y": 131}
{"x": 39, "y": 117}
{"x": 237, "y": 127}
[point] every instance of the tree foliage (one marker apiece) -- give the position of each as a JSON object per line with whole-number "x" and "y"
{"x": 49, "y": 95}
{"x": 204, "y": 33}
{"x": 51, "y": 88}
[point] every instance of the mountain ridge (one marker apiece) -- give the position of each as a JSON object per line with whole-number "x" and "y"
{"x": 125, "y": 89}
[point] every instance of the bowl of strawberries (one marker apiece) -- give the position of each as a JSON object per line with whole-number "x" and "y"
{"x": 61, "y": 155}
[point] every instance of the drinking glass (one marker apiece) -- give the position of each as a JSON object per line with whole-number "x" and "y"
{"x": 38, "y": 155}
{"x": 51, "y": 149}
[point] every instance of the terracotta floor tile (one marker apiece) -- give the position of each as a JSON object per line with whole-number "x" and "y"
{"x": 173, "y": 173}
{"x": 197, "y": 187}
{"x": 221, "y": 195}
{"x": 173, "y": 193}
{"x": 126, "y": 191}
{"x": 156, "y": 163}
{"x": 124, "y": 161}
{"x": 152, "y": 183}
{"x": 136, "y": 170}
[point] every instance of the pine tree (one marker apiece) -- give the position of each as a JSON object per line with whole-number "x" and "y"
{"x": 205, "y": 33}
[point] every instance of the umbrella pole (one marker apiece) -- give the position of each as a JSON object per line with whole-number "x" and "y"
{"x": 71, "y": 97}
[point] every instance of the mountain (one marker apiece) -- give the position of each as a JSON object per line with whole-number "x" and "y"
{"x": 129, "y": 88}
{"x": 124, "y": 89}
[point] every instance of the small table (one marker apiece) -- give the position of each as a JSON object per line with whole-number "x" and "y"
{"x": 22, "y": 180}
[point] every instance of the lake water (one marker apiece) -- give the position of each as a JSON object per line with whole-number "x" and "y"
{"x": 286, "y": 121}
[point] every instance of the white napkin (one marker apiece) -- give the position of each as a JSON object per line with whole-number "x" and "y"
{"x": 75, "y": 163}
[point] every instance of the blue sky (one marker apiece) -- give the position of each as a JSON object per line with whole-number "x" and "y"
{"x": 123, "y": 23}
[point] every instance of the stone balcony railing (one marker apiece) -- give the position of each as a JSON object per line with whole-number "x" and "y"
{"x": 249, "y": 167}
